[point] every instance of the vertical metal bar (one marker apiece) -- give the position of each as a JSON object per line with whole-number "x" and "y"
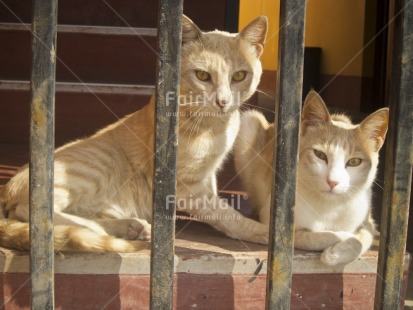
{"x": 289, "y": 93}
{"x": 166, "y": 140}
{"x": 231, "y": 15}
{"x": 41, "y": 153}
{"x": 398, "y": 164}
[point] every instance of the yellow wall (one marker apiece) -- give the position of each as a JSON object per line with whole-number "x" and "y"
{"x": 250, "y": 9}
{"x": 337, "y": 26}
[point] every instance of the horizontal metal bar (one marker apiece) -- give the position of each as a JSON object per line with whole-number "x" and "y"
{"x": 76, "y": 29}
{"x": 43, "y": 74}
{"x": 289, "y": 93}
{"x": 398, "y": 172}
{"x": 166, "y": 140}
{"x": 95, "y": 88}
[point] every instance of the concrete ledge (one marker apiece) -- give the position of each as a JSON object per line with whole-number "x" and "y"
{"x": 198, "y": 249}
{"x": 211, "y": 272}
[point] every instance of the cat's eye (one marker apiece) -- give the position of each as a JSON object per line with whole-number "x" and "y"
{"x": 354, "y": 162}
{"x": 239, "y": 76}
{"x": 203, "y": 75}
{"x": 321, "y": 155}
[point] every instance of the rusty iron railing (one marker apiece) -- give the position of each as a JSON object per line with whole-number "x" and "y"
{"x": 399, "y": 158}
{"x": 41, "y": 153}
{"x": 166, "y": 141}
{"x": 288, "y": 105}
{"x": 289, "y": 81}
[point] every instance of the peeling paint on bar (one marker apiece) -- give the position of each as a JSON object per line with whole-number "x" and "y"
{"x": 289, "y": 94}
{"x": 41, "y": 156}
{"x": 398, "y": 173}
{"x": 166, "y": 138}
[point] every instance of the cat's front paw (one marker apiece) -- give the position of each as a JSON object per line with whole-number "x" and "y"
{"x": 260, "y": 235}
{"x": 139, "y": 230}
{"x": 329, "y": 257}
{"x": 342, "y": 252}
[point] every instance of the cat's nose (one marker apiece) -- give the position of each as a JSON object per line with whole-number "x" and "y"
{"x": 332, "y": 183}
{"x": 221, "y": 102}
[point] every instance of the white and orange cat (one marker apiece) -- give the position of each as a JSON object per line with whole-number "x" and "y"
{"x": 336, "y": 169}
{"x": 103, "y": 184}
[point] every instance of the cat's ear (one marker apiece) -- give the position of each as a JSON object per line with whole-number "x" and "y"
{"x": 315, "y": 112}
{"x": 255, "y": 33}
{"x": 190, "y": 31}
{"x": 374, "y": 127}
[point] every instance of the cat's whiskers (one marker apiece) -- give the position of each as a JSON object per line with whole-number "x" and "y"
{"x": 193, "y": 115}
{"x": 264, "y": 93}
{"x": 192, "y": 120}
{"x": 259, "y": 107}
{"x": 242, "y": 105}
{"x": 378, "y": 185}
{"x": 196, "y": 124}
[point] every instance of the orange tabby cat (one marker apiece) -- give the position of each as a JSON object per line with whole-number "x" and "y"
{"x": 336, "y": 169}
{"x": 103, "y": 184}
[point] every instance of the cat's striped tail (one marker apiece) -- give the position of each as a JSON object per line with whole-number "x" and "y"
{"x": 15, "y": 235}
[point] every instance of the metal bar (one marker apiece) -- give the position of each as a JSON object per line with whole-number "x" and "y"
{"x": 101, "y": 30}
{"x": 398, "y": 172}
{"x": 231, "y": 15}
{"x": 94, "y": 88}
{"x": 41, "y": 153}
{"x": 289, "y": 93}
{"x": 166, "y": 140}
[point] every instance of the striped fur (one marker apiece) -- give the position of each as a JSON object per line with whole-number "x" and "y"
{"x": 15, "y": 235}
{"x": 103, "y": 184}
